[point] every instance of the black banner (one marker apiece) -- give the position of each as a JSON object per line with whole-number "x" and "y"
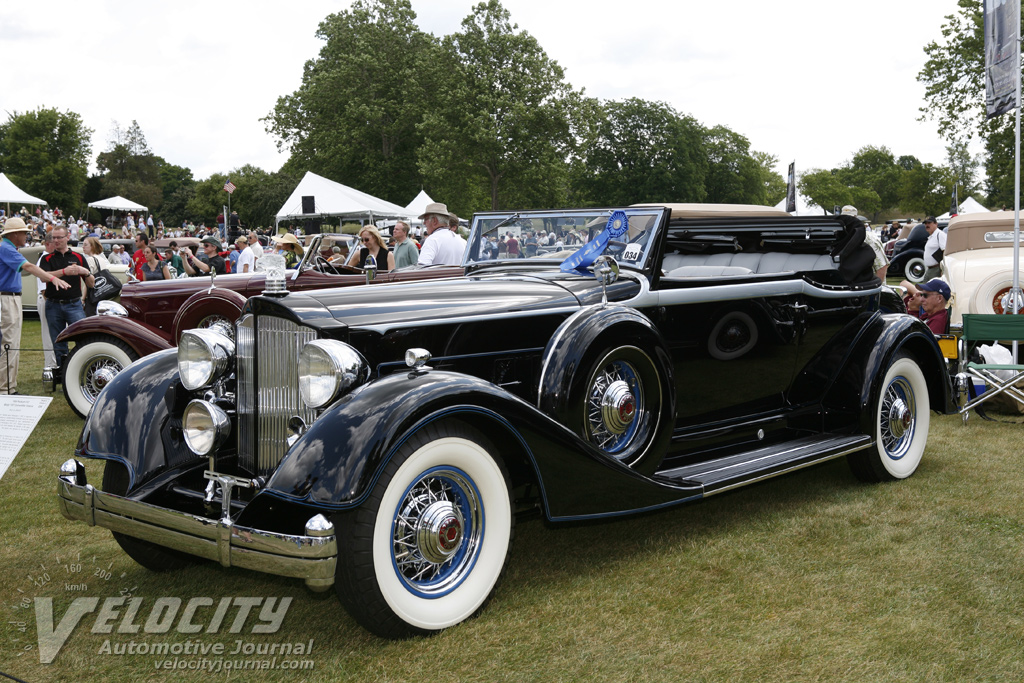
{"x": 954, "y": 207}
{"x": 791, "y": 189}
{"x": 1002, "y": 24}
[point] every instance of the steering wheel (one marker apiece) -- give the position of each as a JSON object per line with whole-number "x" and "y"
{"x": 324, "y": 266}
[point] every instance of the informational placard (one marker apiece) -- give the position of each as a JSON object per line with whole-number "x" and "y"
{"x": 19, "y": 415}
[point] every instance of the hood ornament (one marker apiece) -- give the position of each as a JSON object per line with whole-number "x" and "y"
{"x": 606, "y": 270}
{"x": 273, "y": 266}
{"x": 371, "y": 269}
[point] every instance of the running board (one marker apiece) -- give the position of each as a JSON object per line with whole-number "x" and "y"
{"x": 723, "y": 474}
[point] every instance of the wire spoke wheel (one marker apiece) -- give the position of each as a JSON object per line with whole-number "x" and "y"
{"x": 900, "y": 429}
{"x": 897, "y": 418}
{"x": 615, "y": 404}
{"x": 92, "y": 365}
{"x": 437, "y": 531}
{"x": 427, "y": 548}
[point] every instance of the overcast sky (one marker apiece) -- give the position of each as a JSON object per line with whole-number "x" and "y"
{"x": 804, "y": 80}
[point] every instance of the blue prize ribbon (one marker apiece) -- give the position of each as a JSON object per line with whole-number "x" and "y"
{"x": 617, "y": 225}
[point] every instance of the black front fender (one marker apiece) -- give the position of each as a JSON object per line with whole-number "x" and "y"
{"x": 337, "y": 462}
{"x": 128, "y": 422}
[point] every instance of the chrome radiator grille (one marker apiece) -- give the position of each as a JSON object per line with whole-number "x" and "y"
{"x": 267, "y": 353}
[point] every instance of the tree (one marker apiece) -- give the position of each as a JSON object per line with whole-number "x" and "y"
{"x": 177, "y": 186}
{"x": 735, "y": 175}
{"x": 46, "y": 153}
{"x": 354, "y": 118}
{"x": 207, "y": 199}
{"x": 827, "y": 190}
{"x": 643, "y": 152}
{"x": 926, "y": 190}
{"x": 503, "y": 128}
{"x": 131, "y": 169}
{"x": 954, "y": 79}
{"x": 963, "y": 167}
{"x": 954, "y": 74}
{"x": 875, "y": 169}
{"x": 259, "y": 194}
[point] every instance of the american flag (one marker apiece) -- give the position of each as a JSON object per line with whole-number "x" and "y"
{"x": 229, "y": 187}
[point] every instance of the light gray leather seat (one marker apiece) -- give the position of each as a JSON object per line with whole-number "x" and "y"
{"x": 760, "y": 263}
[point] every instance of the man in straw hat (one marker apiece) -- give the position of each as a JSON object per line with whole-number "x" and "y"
{"x": 441, "y": 246}
{"x": 12, "y": 263}
{"x": 209, "y": 259}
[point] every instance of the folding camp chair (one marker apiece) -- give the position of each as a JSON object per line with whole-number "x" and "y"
{"x": 985, "y": 328}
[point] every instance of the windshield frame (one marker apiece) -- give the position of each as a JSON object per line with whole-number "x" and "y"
{"x": 646, "y": 224}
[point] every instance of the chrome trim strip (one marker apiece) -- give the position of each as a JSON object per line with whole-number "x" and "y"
{"x": 794, "y": 468}
{"x": 312, "y": 558}
{"x": 384, "y": 328}
{"x": 747, "y": 290}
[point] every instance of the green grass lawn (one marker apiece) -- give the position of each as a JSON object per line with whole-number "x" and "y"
{"x": 811, "y": 576}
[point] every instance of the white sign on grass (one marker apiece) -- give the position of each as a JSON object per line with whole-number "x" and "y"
{"x": 19, "y": 415}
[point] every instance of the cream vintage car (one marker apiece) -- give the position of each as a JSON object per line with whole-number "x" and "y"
{"x": 978, "y": 262}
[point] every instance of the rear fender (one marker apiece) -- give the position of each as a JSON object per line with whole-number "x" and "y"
{"x": 337, "y": 462}
{"x": 143, "y": 338}
{"x": 865, "y": 366}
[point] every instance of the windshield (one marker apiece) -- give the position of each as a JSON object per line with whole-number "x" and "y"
{"x": 542, "y": 237}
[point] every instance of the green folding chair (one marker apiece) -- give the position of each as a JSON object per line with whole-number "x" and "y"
{"x": 989, "y": 328}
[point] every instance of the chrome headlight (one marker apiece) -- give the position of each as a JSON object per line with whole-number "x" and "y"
{"x": 327, "y": 369}
{"x": 205, "y": 426}
{"x": 111, "y": 308}
{"x": 203, "y": 356}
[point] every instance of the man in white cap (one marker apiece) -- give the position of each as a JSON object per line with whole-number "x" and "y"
{"x": 12, "y": 263}
{"x": 441, "y": 246}
{"x": 246, "y": 262}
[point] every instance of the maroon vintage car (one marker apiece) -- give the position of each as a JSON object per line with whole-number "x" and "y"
{"x": 152, "y": 315}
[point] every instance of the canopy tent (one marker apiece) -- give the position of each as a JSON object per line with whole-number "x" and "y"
{"x": 419, "y": 205}
{"x": 117, "y": 204}
{"x": 802, "y": 207}
{"x": 969, "y": 205}
{"x": 12, "y": 194}
{"x": 334, "y": 199}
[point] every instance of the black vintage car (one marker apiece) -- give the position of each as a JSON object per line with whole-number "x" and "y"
{"x": 382, "y": 440}
{"x": 908, "y": 255}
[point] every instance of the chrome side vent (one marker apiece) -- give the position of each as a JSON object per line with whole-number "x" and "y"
{"x": 267, "y": 351}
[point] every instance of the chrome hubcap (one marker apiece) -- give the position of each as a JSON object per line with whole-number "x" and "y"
{"x": 439, "y": 532}
{"x": 98, "y": 374}
{"x": 897, "y": 418}
{"x": 103, "y": 377}
{"x": 618, "y": 407}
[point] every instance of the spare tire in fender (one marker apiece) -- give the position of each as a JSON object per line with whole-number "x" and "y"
{"x": 205, "y": 308}
{"x": 606, "y": 374}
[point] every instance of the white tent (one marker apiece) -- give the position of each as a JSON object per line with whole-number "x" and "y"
{"x": 419, "y": 205}
{"x": 802, "y": 207}
{"x": 334, "y": 199}
{"x": 117, "y": 204}
{"x": 12, "y": 194}
{"x": 969, "y": 205}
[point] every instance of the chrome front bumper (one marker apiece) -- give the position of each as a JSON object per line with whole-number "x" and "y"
{"x": 312, "y": 557}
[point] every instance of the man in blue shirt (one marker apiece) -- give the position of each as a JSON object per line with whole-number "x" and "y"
{"x": 12, "y": 263}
